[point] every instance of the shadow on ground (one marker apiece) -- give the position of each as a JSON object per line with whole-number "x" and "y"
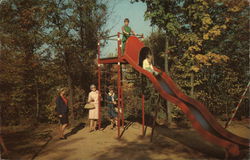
{"x": 30, "y": 142}
{"x": 192, "y": 139}
{"x": 24, "y": 144}
{"x": 57, "y": 146}
{"x": 167, "y": 144}
{"x": 77, "y": 128}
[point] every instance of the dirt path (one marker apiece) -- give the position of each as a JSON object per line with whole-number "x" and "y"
{"x": 24, "y": 142}
{"x": 103, "y": 145}
{"x": 179, "y": 144}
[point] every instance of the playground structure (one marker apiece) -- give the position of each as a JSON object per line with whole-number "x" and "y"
{"x": 201, "y": 119}
{"x": 116, "y": 60}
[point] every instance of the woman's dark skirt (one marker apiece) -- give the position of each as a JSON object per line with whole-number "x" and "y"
{"x": 64, "y": 119}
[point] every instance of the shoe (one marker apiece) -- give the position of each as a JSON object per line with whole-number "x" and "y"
{"x": 112, "y": 127}
{"x": 157, "y": 74}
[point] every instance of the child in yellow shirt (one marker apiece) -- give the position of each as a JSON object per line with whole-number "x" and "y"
{"x": 147, "y": 65}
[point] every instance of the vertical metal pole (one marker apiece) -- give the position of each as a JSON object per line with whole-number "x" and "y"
{"x": 122, "y": 100}
{"x": 119, "y": 97}
{"x": 119, "y": 45}
{"x": 99, "y": 87}
{"x": 121, "y": 91}
{"x": 143, "y": 114}
{"x": 119, "y": 84}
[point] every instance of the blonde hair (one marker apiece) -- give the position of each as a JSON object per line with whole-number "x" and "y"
{"x": 92, "y": 85}
{"x": 61, "y": 90}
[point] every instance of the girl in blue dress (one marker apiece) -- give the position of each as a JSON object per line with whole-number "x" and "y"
{"x": 112, "y": 102}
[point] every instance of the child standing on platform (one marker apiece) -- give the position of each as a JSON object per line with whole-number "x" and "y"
{"x": 126, "y": 32}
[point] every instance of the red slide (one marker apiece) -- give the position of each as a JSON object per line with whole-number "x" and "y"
{"x": 202, "y": 120}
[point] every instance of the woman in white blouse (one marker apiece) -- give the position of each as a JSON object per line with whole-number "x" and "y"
{"x": 93, "y": 113}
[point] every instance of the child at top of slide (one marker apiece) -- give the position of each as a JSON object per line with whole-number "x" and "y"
{"x": 126, "y": 32}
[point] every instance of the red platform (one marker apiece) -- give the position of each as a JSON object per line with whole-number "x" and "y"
{"x": 112, "y": 60}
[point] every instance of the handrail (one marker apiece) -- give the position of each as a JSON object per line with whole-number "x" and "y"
{"x": 111, "y": 37}
{"x": 101, "y": 38}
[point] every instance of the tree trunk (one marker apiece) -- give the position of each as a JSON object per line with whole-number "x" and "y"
{"x": 169, "y": 105}
{"x": 70, "y": 97}
{"x": 37, "y": 102}
{"x": 154, "y": 123}
{"x": 192, "y": 85}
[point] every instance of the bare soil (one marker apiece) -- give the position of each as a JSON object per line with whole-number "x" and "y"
{"x": 42, "y": 143}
